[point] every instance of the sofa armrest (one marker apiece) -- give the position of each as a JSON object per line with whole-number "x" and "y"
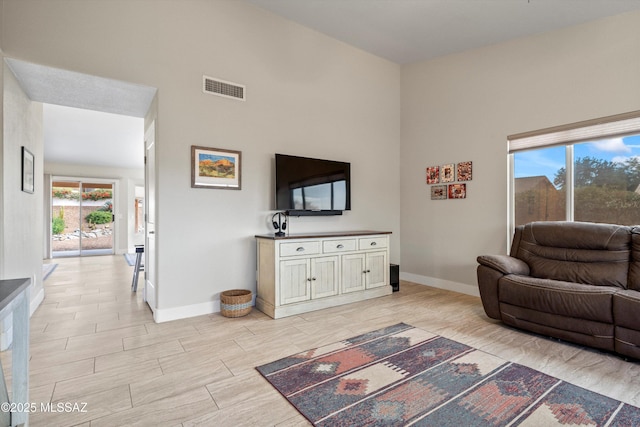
{"x": 491, "y": 269}
{"x": 505, "y": 264}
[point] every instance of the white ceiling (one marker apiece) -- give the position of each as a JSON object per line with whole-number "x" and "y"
{"x": 87, "y": 120}
{"x": 87, "y": 137}
{"x": 104, "y": 125}
{"x": 406, "y": 31}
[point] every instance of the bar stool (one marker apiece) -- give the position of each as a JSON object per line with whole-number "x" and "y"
{"x": 138, "y": 267}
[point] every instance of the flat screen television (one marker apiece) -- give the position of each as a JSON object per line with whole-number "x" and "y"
{"x": 306, "y": 186}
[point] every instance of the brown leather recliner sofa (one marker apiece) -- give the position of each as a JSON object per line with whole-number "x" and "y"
{"x": 576, "y": 281}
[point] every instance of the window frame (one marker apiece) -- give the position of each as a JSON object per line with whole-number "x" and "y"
{"x": 615, "y": 126}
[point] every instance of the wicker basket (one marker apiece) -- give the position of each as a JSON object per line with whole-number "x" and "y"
{"x": 235, "y": 303}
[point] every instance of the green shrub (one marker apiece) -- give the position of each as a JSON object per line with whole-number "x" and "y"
{"x": 99, "y": 217}
{"x": 57, "y": 225}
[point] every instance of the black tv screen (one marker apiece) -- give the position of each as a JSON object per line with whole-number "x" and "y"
{"x": 306, "y": 186}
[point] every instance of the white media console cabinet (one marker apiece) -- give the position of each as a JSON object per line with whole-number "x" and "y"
{"x": 306, "y": 272}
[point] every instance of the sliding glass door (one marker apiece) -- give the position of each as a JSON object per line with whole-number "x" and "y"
{"x": 81, "y": 218}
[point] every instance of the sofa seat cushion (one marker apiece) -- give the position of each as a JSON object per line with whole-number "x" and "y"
{"x": 581, "y": 331}
{"x": 626, "y": 309}
{"x": 566, "y": 299}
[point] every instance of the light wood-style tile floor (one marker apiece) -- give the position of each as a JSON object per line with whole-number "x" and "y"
{"x": 93, "y": 341}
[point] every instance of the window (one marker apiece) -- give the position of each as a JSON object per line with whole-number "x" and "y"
{"x": 588, "y": 171}
{"x": 536, "y": 197}
{"x": 606, "y": 176}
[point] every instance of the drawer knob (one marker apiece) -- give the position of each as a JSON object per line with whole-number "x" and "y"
{"x": 373, "y": 243}
{"x": 300, "y": 249}
{"x": 340, "y": 246}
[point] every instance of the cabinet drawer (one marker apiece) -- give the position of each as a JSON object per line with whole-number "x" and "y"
{"x": 299, "y": 248}
{"x": 372, "y": 243}
{"x": 331, "y": 246}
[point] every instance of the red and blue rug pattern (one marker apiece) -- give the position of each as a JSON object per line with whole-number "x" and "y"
{"x": 401, "y": 376}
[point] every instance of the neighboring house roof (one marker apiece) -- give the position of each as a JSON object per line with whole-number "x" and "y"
{"x": 532, "y": 183}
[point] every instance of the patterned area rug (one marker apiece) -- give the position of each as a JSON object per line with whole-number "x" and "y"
{"x": 401, "y": 375}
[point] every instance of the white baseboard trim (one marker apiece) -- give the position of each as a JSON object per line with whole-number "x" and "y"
{"x": 35, "y": 302}
{"x": 434, "y": 282}
{"x": 161, "y": 315}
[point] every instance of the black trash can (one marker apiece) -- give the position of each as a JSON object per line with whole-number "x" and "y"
{"x": 394, "y": 277}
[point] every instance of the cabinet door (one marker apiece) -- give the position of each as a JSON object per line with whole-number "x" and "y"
{"x": 324, "y": 277}
{"x": 353, "y": 273}
{"x": 377, "y": 270}
{"x": 295, "y": 281}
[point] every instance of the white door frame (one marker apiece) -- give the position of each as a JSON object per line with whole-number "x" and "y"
{"x": 150, "y": 194}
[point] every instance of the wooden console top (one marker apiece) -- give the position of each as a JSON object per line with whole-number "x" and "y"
{"x": 321, "y": 234}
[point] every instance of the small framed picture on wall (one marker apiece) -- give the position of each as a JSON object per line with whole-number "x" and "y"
{"x": 457, "y": 191}
{"x": 447, "y": 173}
{"x": 28, "y": 173}
{"x": 215, "y": 168}
{"x": 433, "y": 174}
{"x": 439, "y": 192}
{"x": 465, "y": 171}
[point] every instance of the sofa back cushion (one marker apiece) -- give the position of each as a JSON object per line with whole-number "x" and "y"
{"x": 579, "y": 252}
{"x": 634, "y": 266}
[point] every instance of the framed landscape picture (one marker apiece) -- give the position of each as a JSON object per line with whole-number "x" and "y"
{"x": 439, "y": 192}
{"x": 457, "y": 191}
{"x": 433, "y": 174}
{"x": 215, "y": 168}
{"x": 465, "y": 171}
{"x": 447, "y": 173}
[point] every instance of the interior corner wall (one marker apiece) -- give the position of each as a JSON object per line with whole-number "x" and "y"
{"x": 307, "y": 95}
{"x": 22, "y": 212}
{"x": 462, "y": 107}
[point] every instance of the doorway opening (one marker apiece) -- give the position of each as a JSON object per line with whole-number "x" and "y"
{"x": 82, "y": 221}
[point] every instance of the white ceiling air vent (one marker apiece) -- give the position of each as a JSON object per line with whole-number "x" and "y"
{"x": 219, "y": 87}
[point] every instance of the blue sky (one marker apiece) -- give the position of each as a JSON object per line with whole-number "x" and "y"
{"x": 547, "y": 161}
{"x": 214, "y": 157}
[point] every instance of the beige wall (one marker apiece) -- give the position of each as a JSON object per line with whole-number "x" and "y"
{"x": 307, "y": 95}
{"x": 462, "y": 107}
{"x": 310, "y": 95}
{"x": 22, "y": 217}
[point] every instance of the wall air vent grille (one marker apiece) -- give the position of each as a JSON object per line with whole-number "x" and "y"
{"x": 219, "y": 87}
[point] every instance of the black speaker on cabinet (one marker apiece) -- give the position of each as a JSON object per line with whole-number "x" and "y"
{"x": 394, "y": 277}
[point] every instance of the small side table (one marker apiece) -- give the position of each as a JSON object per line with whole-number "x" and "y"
{"x": 138, "y": 267}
